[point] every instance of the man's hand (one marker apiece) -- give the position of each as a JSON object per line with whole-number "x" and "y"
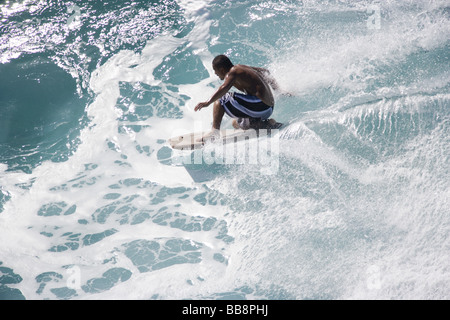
{"x": 201, "y": 105}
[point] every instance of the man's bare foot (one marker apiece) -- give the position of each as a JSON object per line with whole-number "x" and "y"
{"x": 265, "y": 124}
{"x": 210, "y": 136}
{"x": 272, "y": 122}
{"x": 241, "y": 123}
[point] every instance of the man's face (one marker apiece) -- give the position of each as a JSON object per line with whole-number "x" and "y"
{"x": 220, "y": 73}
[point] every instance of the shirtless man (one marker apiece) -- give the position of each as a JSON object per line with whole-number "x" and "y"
{"x": 249, "y": 110}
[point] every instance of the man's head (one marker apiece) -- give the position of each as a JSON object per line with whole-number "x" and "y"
{"x": 221, "y": 65}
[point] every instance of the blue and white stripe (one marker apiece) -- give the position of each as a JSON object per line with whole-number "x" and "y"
{"x": 229, "y": 102}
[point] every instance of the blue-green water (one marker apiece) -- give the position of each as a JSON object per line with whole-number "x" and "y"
{"x": 95, "y": 205}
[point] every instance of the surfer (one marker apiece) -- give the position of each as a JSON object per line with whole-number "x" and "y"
{"x": 250, "y": 109}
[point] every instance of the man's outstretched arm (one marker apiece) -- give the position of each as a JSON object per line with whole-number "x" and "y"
{"x": 224, "y": 88}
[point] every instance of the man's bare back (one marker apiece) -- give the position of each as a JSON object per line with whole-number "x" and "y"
{"x": 250, "y": 80}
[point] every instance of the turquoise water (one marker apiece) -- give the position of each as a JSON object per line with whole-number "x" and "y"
{"x": 95, "y": 205}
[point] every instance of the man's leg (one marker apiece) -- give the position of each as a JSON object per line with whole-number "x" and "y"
{"x": 218, "y": 113}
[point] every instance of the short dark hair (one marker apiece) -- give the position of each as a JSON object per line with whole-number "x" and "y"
{"x": 222, "y": 61}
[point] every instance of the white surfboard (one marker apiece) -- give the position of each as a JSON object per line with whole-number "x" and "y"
{"x": 192, "y": 141}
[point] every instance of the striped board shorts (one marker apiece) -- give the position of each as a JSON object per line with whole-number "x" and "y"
{"x": 238, "y": 105}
